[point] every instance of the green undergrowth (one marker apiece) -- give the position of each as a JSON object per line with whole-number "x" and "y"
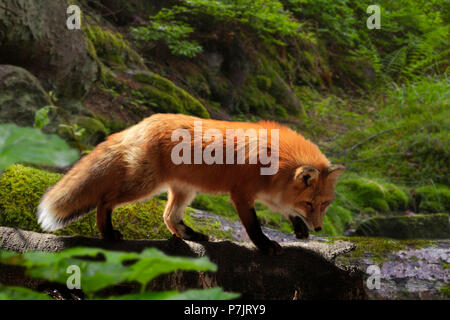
{"x": 401, "y": 135}
{"x": 433, "y": 198}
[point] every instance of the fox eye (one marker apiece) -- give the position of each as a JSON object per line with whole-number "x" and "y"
{"x": 309, "y": 204}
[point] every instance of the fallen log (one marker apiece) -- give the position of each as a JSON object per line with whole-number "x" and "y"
{"x": 306, "y": 270}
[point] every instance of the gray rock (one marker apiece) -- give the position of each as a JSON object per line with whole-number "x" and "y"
{"x": 21, "y": 95}
{"x": 34, "y": 35}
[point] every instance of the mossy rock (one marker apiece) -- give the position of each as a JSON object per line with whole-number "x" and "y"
{"x": 336, "y": 220}
{"x": 435, "y": 198}
{"x": 256, "y": 101}
{"x": 165, "y": 96}
{"x": 95, "y": 131}
{"x": 112, "y": 49}
{"x": 20, "y": 191}
{"x": 21, "y": 95}
{"x": 377, "y": 248}
{"x": 374, "y": 196}
{"x": 429, "y": 226}
{"x": 35, "y": 37}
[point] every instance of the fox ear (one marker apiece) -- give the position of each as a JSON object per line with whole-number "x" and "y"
{"x": 334, "y": 171}
{"x": 306, "y": 174}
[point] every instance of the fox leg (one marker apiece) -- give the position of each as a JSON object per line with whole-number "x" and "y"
{"x": 248, "y": 217}
{"x": 104, "y": 224}
{"x": 177, "y": 202}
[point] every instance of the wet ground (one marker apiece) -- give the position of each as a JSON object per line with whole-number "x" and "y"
{"x": 413, "y": 273}
{"x": 405, "y": 274}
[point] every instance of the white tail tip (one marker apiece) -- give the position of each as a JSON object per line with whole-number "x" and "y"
{"x": 47, "y": 219}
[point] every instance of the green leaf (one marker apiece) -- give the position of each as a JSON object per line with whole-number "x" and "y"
{"x": 41, "y": 117}
{"x": 19, "y": 293}
{"x": 95, "y": 275}
{"x": 101, "y": 268}
{"x": 153, "y": 263}
{"x": 30, "y": 145}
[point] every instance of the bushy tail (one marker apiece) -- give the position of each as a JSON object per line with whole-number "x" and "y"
{"x": 73, "y": 196}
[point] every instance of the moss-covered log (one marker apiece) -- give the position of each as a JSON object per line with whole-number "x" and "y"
{"x": 306, "y": 270}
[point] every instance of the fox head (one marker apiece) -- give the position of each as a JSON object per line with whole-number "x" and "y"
{"x": 309, "y": 196}
{"x": 305, "y": 198}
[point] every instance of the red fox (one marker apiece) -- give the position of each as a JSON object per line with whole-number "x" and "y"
{"x": 144, "y": 160}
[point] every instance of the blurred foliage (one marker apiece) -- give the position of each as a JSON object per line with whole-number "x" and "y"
{"x": 30, "y": 145}
{"x": 101, "y": 268}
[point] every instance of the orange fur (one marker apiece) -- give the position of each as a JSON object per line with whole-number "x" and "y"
{"x": 136, "y": 164}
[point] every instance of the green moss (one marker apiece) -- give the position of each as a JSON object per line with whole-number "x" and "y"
{"x": 95, "y": 131}
{"x": 395, "y": 197}
{"x": 367, "y": 194}
{"x": 218, "y": 204}
{"x": 374, "y": 196}
{"x": 113, "y": 124}
{"x": 112, "y": 49}
{"x": 164, "y": 96}
{"x": 430, "y": 226}
{"x": 435, "y": 198}
{"x": 20, "y": 191}
{"x": 197, "y": 81}
{"x": 207, "y": 226}
{"x": 255, "y": 101}
{"x": 336, "y": 220}
{"x": 377, "y": 248}
{"x": 328, "y": 227}
{"x": 264, "y": 82}
{"x": 445, "y": 290}
{"x": 142, "y": 221}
